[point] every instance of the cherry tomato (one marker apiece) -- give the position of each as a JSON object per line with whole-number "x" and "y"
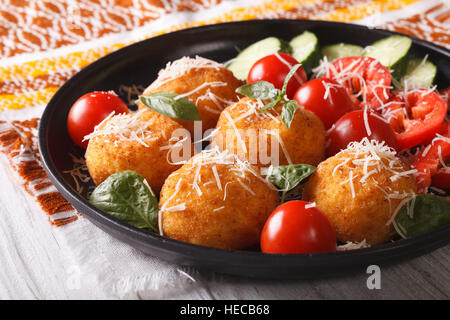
{"x": 88, "y": 111}
{"x": 416, "y": 116}
{"x": 274, "y": 69}
{"x": 427, "y": 164}
{"x": 326, "y": 98}
{"x": 292, "y": 228}
{"x": 352, "y": 127}
{"x": 363, "y": 76}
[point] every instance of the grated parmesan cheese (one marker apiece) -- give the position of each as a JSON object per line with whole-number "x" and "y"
{"x": 125, "y": 127}
{"x": 178, "y": 68}
{"x": 310, "y": 205}
{"x": 375, "y": 157}
{"x": 212, "y": 84}
{"x": 353, "y": 246}
{"x": 211, "y": 158}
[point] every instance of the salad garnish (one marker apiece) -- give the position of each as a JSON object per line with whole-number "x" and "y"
{"x": 172, "y": 105}
{"x": 264, "y": 90}
{"x": 288, "y": 177}
{"x": 127, "y": 197}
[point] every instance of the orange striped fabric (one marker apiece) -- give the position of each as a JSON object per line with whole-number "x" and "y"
{"x": 33, "y": 82}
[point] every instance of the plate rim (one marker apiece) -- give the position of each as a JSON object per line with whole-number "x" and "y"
{"x": 404, "y": 247}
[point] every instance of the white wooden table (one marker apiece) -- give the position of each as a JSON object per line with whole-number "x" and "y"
{"x": 43, "y": 273}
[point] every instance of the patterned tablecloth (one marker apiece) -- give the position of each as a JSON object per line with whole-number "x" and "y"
{"x": 44, "y": 43}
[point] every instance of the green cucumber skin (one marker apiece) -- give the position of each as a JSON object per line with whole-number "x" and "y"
{"x": 313, "y": 59}
{"x": 284, "y": 47}
{"x": 398, "y": 68}
{"x": 356, "y": 50}
{"x": 411, "y": 66}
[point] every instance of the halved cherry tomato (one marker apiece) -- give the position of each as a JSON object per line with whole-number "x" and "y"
{"x": 353, "y": 127}
{"x": 428, "y": 162}
{"x": 365, "y": 77}
{"x": 274, "y": 69}
{"x": 292, "y": 228}
{"x": 328, "y": 99}
{"x": 89, "y": 110}
{"x": 416, "y": 117}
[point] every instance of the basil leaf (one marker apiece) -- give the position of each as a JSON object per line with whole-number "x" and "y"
{"x": 266, "y": 91}
{"x": 289, "y": 76}
{"x": 288, "y": 177}
{"x": 270, "y": 104}
{"x": 430, "y": 212}
{"x": 259, "y": 90}
{"x": 168, "y": 104}
{"x": 288, "y": 112}
{"x": 127, "y": 197}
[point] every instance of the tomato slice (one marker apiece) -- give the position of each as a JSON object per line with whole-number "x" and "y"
{"x": 444, "y": 130}
{"x": 365, "y": 77}
{"x": 428, "y": 162}
{"x": 415, "y": 116}
{"x": 441, "y": 179}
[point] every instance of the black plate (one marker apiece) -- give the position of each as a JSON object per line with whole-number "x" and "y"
{"x": 139, "y": 64}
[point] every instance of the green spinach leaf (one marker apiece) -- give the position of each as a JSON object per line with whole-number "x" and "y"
{"x": 430, "y": 212}
{"x": 127, "y": 197}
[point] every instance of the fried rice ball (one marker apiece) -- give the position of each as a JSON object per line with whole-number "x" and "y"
{"x": 135, "y": 141}
{"x": 359, "y": 193}
{"x": 216, "y": 200}
{"x": 263, "y": 139}
{"x": 210, "y": 85}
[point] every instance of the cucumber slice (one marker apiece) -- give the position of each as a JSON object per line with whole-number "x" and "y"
{"x": 419, "y": 74}
{"x": 392, "y": 52}
{"x": 340, "y": 50}
{"x": 305, "y": 49}
{"x": 241, "y": 65}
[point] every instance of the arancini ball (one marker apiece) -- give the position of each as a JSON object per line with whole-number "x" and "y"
{"x": 216, "y": 200}
{"x": 360, "y": 190}
{"x": 264, "y": 140}
{"x": 206, "y": 83}
{"x": 141, "y": 141}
